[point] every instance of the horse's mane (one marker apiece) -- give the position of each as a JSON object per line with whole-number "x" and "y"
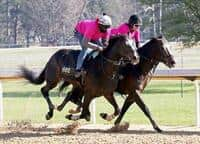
{"x": 115, "y": 38}
{"x": 144, "y": 50}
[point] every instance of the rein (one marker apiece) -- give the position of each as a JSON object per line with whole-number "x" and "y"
{"x": 113, "y": 62}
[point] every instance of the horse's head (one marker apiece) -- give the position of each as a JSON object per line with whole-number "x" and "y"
{"x": 161, "y": 51}
{"x": 123, "y": 47}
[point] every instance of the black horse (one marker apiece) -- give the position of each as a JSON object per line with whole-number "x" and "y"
{"x": 135, "y": 78}
{"x": 101, "y": 77}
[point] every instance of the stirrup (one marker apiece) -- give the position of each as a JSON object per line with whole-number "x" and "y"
{"x": 79, "y": 73}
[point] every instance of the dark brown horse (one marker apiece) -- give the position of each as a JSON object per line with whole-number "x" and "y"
{"x": 101, "y": 77}
{"x": 135, "y": 78}
{"x": 151, "y": 54}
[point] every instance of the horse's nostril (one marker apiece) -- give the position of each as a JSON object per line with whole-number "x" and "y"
{"x": 173, "y": 62}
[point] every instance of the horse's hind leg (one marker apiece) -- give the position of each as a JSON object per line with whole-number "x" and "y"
{"x": 85, "y": 114}
{"x": 110, "y": 98}
{"x": 146, "y": 111}
{"x": 74, "y": 96}
{"x": 45, "y": 91}
{"x": 66, "y": 99}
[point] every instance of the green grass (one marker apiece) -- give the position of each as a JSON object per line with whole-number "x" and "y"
{"x": 24, "y": 101}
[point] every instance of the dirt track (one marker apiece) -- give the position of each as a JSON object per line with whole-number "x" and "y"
{"x": 98, "y": 134}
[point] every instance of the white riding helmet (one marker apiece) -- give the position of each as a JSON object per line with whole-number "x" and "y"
{"x": 105, "y": 20}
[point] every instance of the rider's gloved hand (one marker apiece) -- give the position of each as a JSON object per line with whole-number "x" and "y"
{"x": 100, "y": 48}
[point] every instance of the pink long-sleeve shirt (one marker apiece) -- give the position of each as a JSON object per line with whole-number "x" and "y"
{"x": 124, "y": 29}
{"x": 90, "y": 30}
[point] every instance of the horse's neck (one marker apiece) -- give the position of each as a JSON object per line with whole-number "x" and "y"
{"x": 107, "y": 62}
{"x": 146, "y": 64}
{"x": 111, "y": 54}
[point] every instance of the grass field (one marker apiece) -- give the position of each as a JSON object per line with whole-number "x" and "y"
{"x": 23, "y": 101}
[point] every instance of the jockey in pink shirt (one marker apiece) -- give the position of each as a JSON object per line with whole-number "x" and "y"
{"x": 131, "y": 28}
{"x": 91, "y": 34}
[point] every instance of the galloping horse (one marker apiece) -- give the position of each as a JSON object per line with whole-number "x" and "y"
{"x": 151, "y": 54}
{"x": 101, "y": 77}
{"x": 135, "y": 78}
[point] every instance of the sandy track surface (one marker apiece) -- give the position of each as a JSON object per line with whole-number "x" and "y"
{"x": 98, "y": 134}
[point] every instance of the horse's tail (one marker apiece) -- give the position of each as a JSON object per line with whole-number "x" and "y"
{"x": 29, "y": 75}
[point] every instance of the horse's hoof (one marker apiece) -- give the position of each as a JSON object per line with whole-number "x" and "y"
{"x": 158, "y": 129}
{"x": 69, "y": 117}
{"x": 103, "y": 115}
{"x": 59, "y": 108}
{"x": 48, "y": 117}
{"x": 87, "y": 118}
{"x": 52, "y": 107}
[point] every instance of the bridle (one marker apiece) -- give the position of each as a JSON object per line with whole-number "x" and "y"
{"x": 155, "y": 61}
{"x": 118, "y": 63}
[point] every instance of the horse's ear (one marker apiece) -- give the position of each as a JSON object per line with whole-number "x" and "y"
{"x": 160, "y": 37}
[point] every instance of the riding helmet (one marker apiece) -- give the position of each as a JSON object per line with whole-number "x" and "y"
{"x": 134, "y": 19}
{"x": 105, "y": 20}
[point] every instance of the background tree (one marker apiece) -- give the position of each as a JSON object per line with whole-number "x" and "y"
{"x": 180, "y": 19}
{"x": 51, "y": 22}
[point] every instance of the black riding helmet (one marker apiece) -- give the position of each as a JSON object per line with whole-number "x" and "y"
{"x": 134, "y": 20}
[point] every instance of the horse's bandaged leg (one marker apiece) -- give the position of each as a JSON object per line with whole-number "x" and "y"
{"x": 110, "y": 117}
{"x": 75, "y": 117}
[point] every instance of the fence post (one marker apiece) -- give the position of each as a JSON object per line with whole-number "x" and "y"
{"x": 197, "y": 104}
{"x": 1, "y": 103}
{"x": 93, "y": 107}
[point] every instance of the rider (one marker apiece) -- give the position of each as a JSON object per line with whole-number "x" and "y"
{"x": 91, "y": 34}
{"x": 132, "y": 28}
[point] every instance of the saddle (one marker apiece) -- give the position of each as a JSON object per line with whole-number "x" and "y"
{"x": 71, "y": 71}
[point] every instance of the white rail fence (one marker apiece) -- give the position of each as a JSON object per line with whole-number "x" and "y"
{"x": 1, "y": 103}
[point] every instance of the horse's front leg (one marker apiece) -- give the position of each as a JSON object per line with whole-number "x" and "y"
{"x": 110, "y": 98}
{"x": 146, "y": 111}
{"x": 128, "y": 102}
{"x": 45, "y": 92}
